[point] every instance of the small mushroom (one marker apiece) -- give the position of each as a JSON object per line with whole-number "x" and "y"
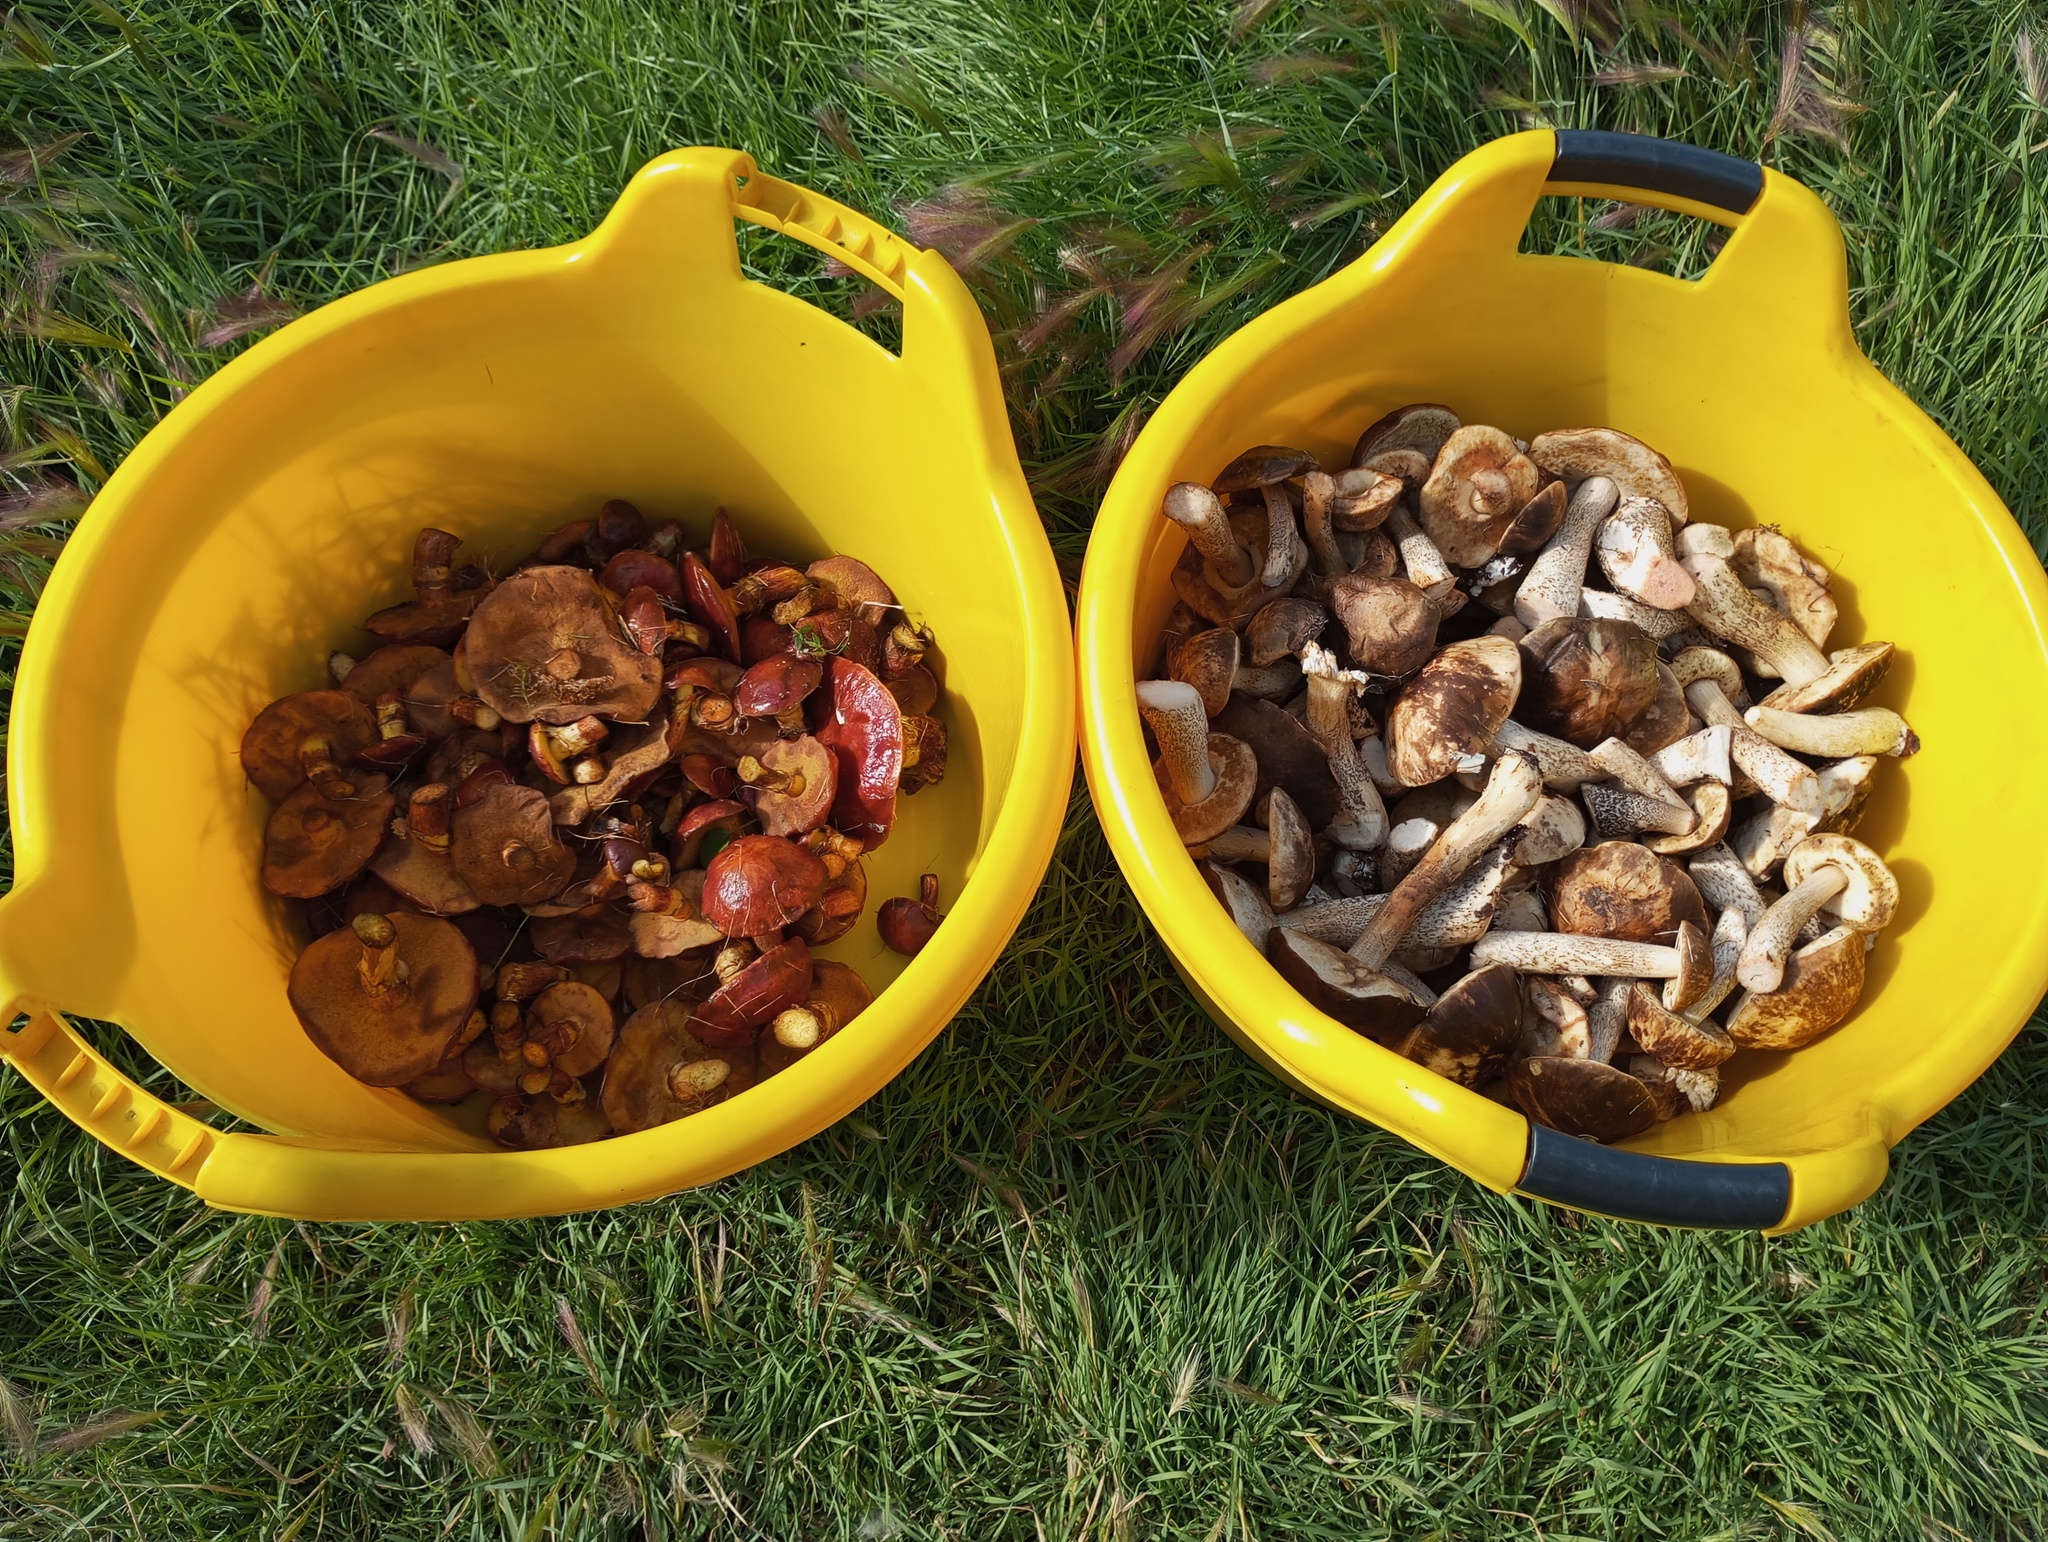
{"x": 704, "y": 831}
{"x": 1836, "y": 735}
{"x": 1389, "y": 623}
{"x": 555, "y": 751}
{"x": 1678, "y": 1039}
{"x": 1291, "y": 863}
{"x": 1478, "y": 484}
{"x": 635, "y": 568}
{"x": 385, "y": 996}
{"x": 759, "y": 884}
{"x": 1535, "y": 522}
{"x": 270, "y": 747}
{"x": 916, "y": 690}
{"x": 777, "y": 688}
{"x": 1423, "y": 564}
{"x": 1199, "y": 511}
{"x": 711, "y": 605}
{"x": 837, "y": 996}
{"x": 858, "y": 721}
{"x": 1821, "y": 985}
{"x": 324, "y": 834}
{"x": 1831, "y": 873}
{"x": 1551, "y": 588}
{"x": 907, "y": 925}
{"x": 572, "y": 1024}
{"x": 1618, "y": 889}
{"x": 853, "y": 586}
{"x": 1797, "y": 585}
{"x": 504, "y": 847}
{"x": 1207, "y": 779}
{"x": 1636, "y": 553}
{"x": 1852, "y": 674}
{"x": 791, "y": 785}
{"x": 419, "y": 866}
{"x": 1468, "y": 1029}
{"x": 1586, "y": 680}
{"x": 838, "y": 910}
{"x": 1711, "y": 805}
{"x": 544, "y": 645}
{"x": 1582, "y": 1097}
{"x": 1243, "y": 902}
{"x": 753, "y": 994}
{"x": 438, "y": 616}
{"x": 1636, "y": 470}
{"x": 1722, "y": 605}
{"x": 1451, "y": 711}
{"x": 1421, "y": 427}
{"x": 660, "y": 1071}
{"x": 924, "y": 754}
{"x": 1360, "y": 823}
{"x": 1362, "y": 498}
{"x": 1208, "y": 662}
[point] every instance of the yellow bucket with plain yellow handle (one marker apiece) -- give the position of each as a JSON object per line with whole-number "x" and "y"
{"x": 275, "y": 507}
{"x": 1750, "y": 380}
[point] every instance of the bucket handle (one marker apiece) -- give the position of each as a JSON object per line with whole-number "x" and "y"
{"x": 1667, "y": 1191}
{"x": 1686, "y": 174}
{"x": 873, "y": 251}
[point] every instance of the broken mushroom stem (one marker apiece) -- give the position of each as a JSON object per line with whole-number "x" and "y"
{"x": 1362, "y": 823}
{"x": 1173, "y": 711}
{"x": 316, "y": 759}
{"x": 1200, "y": 512}
{"x": 1835, "y": 735}
{"x": 1784, "y": 780}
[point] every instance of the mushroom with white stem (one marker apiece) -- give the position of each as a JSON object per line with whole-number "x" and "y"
{"x": 1764, "y": 840}
{"x": 1688, "y": 1038}
{"x": 1361, "y": 824}
{"x": 1609, "y": 606}
{"x": 1619, "y": 814}
{"x": 1834, "y": 873}
{"x": 1406, "y": 842}
{"x": 1836, "y": 735}
{"x": 1511, "y": 792}
{"x": 1565, "y": 766}
{"x": 1553, "y": 829}
{"x": 1852, "y": 674}
{"x": 1689, "y": 965}
{"x": 1634, "y": 772}
{"x": 1725, "y": 883}
{"x": 1822, "y": 983}
{"x": 1712, "y": 804}
{"x": 1636, "y": 553}
{"x": 1698, "y": 757}
{"x": 1636, "y": 470}
{"x": 1389, "y": 623}
{"x": 1783, "y": 779}
{"x": 1447, "y": 717}
{"x": 1200, "y": 512}
{"x": 1478, "y": 484}
{"x": 1423, "y": 564}
{"x": 1207, "y": 779}
{"x": 1700, "y": 538}
{"x": 1551, "y": 587}
{"x": 1284, "y": 556}
{"x": 1765, "y": 559}
{"x": 1318, "y": 489}
{"x": 1722, "y": 605}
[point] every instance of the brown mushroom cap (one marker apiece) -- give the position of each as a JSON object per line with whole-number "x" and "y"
{"x": 1587, "y": 678}
{"x": 1636, "y": 470}
{"x": 1536, "y": 522}
{"x": 313, "y": 843}
{"x": 1262, "y": 466}
{"x": 1291, "y": 867}
{"x": 660, "y": 1071}
{"x": 1621, "y": 890}
{"x": 505, "y": 849}
{"x": 393, "y": 667}
{"x": 270, "y": 747}
{"x": 1672, "y": 1038}
{"x": 1479, "y": 483}
{"x": 777, "y": 685}
{"x": 1470, "y": 1027}
{"x": 591, "y": 935}
{"x": 544, "y": 645}
{"x": 1237, "y": 780}
{"x": 852, "y": 584}
{"x": 1287, "y": 755}
{"x": 760, "y": 884}
{"x": 542, "y": 1124}
{"x": 805, "y": 798}
{"x": 448, "y": 1082}
{"x": 735, "y": 1012}
{"x": 1282, "y": 627}
{"x": 1870, "y": 894}
{"x": 1822, "y": 983}
{"x": 425, "y": 878}
{"x": 577, "y": 1016}
{"x": 1389, "y": 622}
{"x": 390, "y": 1034}
{"x": 1452, "y": 708}
{"x": 1586, "y": 1098}
{"x": 1665, "y": 721}
{"x": 838, "y": 910}
{"x": 1208, "y": 662}
{"x": 838, "y": 995}
{"x": 1420, "y": 426}
{"x": 1332, "y": 981}
{"x": 1852, "y": 674}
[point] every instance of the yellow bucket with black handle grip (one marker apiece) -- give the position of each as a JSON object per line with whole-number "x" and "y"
{"x": 1749, "y": 379}
{"x": 275, "y": 507}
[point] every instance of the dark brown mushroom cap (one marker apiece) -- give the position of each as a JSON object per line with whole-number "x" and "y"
{"x": 544, "y": 645}
{"x": 270, "y": 747}
{"x": 448, "y": 1082}
{"x": 542, "y": 1124}
{"x": 493, "y": 1070}
{"x": 631, "y": 759}
{"x": 392, "y": 667}
{"x": 1479, "y": 483}
{"x": 429, "y": 695}
{"x": 1587, "y": 678}
{"x": 805, "y": 800}
{"x": 1622, "y": 890}
{"x": 1262, "y": 466}
{"x": 772, "y": 983}
{"x": 434, "y": 622}
{"x": 591, "y": 935}
{"x": 760, "y": 884}
{"x": 504, "y": 847}
{"x": 852, "y": 584}
{"x": 1364, "y": 497}
{"x": 1536, "y": 522}
{"x": 1287, "y": 755}
{"x": 838, "y": 911}
{"x": 1207, "y": 661}
{"x": 1282, "y": 627}
{"x": 837, "y": 996}
{"x": 1470, "y": 1026}
{"x": 1291, "y": 868}
{"x": 634, "y": 568}
{"x": 906, "y": 925}
{"x": 1390, "y": 623}
{"x": 647, "y": 1080}
{"x": 1419, "y": 426}
{"x": 313, "y": 843}
{"x": 1452, "y": 708}
{"x": 386, "y": 1037}
{"x": 1581, "y": 1097}
{"x": 1334, "y": 982}
{"x": 577, "y": 1017}
{"x": 1822, "y": 984}
{"x": 1665, "y": 721}
{"x": 777, "y": 685}
{"x": 916, "y": 690}
{"x": 424, "y": 878}
{"x": 1675, "y": 1040}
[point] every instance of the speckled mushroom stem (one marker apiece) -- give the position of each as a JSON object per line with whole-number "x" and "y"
{"x": 1609, "y": 606}
{"x": 1551, "y": 587}
{"x": 1564, "y": 765}
{"x": 1423, "y": 564}
{"x": 1317, "y": 489}
{"x": 1783, "y": 779}
{"x": 1724, "y": 606}
{"x": 1762, "y": 965}
{"x": 1362, "y": 824}
{"x": 1731, "y": 931}
{"x": 1200, "y": 512}
{"x": 1636, "y": 553}
{"x": 1173, "y": 711}
{"x": 1569, "y": 953}
{"x": 1511, "y": 791}
{"x": 1282, "y": 538}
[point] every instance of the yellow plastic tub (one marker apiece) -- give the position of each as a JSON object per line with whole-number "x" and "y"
{"x": 275, "y": 507}
{"x": 1751, "y": 382}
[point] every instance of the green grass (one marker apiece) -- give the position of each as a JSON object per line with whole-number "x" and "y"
{"x": 1081, "y": 1271}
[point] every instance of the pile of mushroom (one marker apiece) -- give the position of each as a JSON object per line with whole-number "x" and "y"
{"x": 569, "y": 836}
{"x": 1507, "y": 763}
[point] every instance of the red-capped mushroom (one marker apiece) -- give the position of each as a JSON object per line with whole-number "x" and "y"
{"x": 837, "y": 996}
{"x": 860, "y": 724}
{"x": 838, "y": 910}
{"x": 711, "y": 605}
{"x": 386, "y": 996}
{"x": 759, "y": 884}
{"x": 754, "y": 995}
{"x": 635, "y": 568}
{"x": 777, "y": 688}
{"x": 853, "y": 586}
{"x": 438, "y": 616}
{"x": 726, "y": 556}
{"x": 907, "y": 925}
{"x": 706, "y": 830}
{"x": 791, "y": 785}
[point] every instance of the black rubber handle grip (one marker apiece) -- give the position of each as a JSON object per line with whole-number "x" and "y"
{"x": 1727, "y": 1196}
{"x": 1657, "y": 166}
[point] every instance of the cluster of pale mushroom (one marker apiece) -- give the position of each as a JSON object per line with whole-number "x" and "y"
{"x": 569, "y": 836}
{"x": 1508, "y": 764}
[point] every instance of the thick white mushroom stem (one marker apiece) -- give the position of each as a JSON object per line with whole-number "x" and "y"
{"x": 1762, "y": 965}
{"x": 1609, "y": 606}
{"x": 1639, "y": 776}
{"x": 1551, "y": 587}
{"x": 1636, "y": 554}
{"x": 1784, "y": 780}
{"x": 1698, "y": 757}
{"x": 1200, "y": 512}
{"x": 1837, "y": 735}
{"x": 1569, "y": 953}
{"x": 1511, "y": 791}
{"x": 1173, "y": 711}
{"x": 1564, "y": 765}
{"x": 1282, "y": 539}
{"x": 1731, "y": 931}
{"x": 1317, "y": 489}
{"x": 1724, "y": 606}
{"x": 1361, "y": 825}
{"x": 1420, "y": 560}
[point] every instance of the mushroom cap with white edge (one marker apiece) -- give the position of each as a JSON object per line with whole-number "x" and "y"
{"x": 1869, "y": 897}
{"x": 1822, "y": 983}
{"x": 1469, "y": 1028}
{"x": 1636, "y": 470}
{"x": 1453, "y": 708}
{"x": 1479, "y": 483}
{"x": 1673, "y": 1037}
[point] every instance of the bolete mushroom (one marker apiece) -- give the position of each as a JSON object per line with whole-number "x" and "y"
{"x": 1200, "y": 512}
{"x": 837, "y": 996}
{"x": 1377, "y": 1001}
{"x": 1836, "y": 735}
{"x": 1550, "y": 589}
{"x": 660, "y": 1071}
{"x": 1832, "y": 873}
{"x": 777, "y": 688}
{"x": 1725, "y": 607}
{"x": 572, "y": 1025}
{"x": 1389, "y": 623}
{"x": 1477, "y": 486}
{"x": 907, "y": 925}
{"x": 1618, "y": 889}
{"x": 1451, "y": 711}
{"x": 1469, "y": 1027}
{"x": 1821, "y": 985}
{"x": 1765, "y": 559}
{"x": 791, "y": 785}
{"x": 544, "y": 1123}
{"x": 544, "y": 645}
{"x": 1207, "y": 779}
{"x": 1852, "y": 674}
{"x": 393, "y": 667}
{"x": 1587, "y": 679}
{"x": 1636, "y": 553}
{"x": 753, "y": 995}
{"x": 1360, "y": 823}
{"x": 325, "y": 833}
{"x": 858, "y": 721}
{"x": 1636, "y": 470}
{"x": 1420, "y": 426}
{"x": 853, "y": 586}
{"x": 419, "y": 865}
{"x": 504, "y": 846}
{"x": 1586, "y": 1098}
{"x": 1783, "y": 779}
{"x": 437, "y": 617}
{"x": 271, "y": 747}
{"x": 1689, "y": 965}
{"x": 1679, "y": 1039}
{"x": 759, "y": 884}
{"x": 385, "y": 996}
{"x": 837, "y": 910}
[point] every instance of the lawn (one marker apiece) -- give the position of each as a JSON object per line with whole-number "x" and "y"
{"x": 1082, "y": 1271}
